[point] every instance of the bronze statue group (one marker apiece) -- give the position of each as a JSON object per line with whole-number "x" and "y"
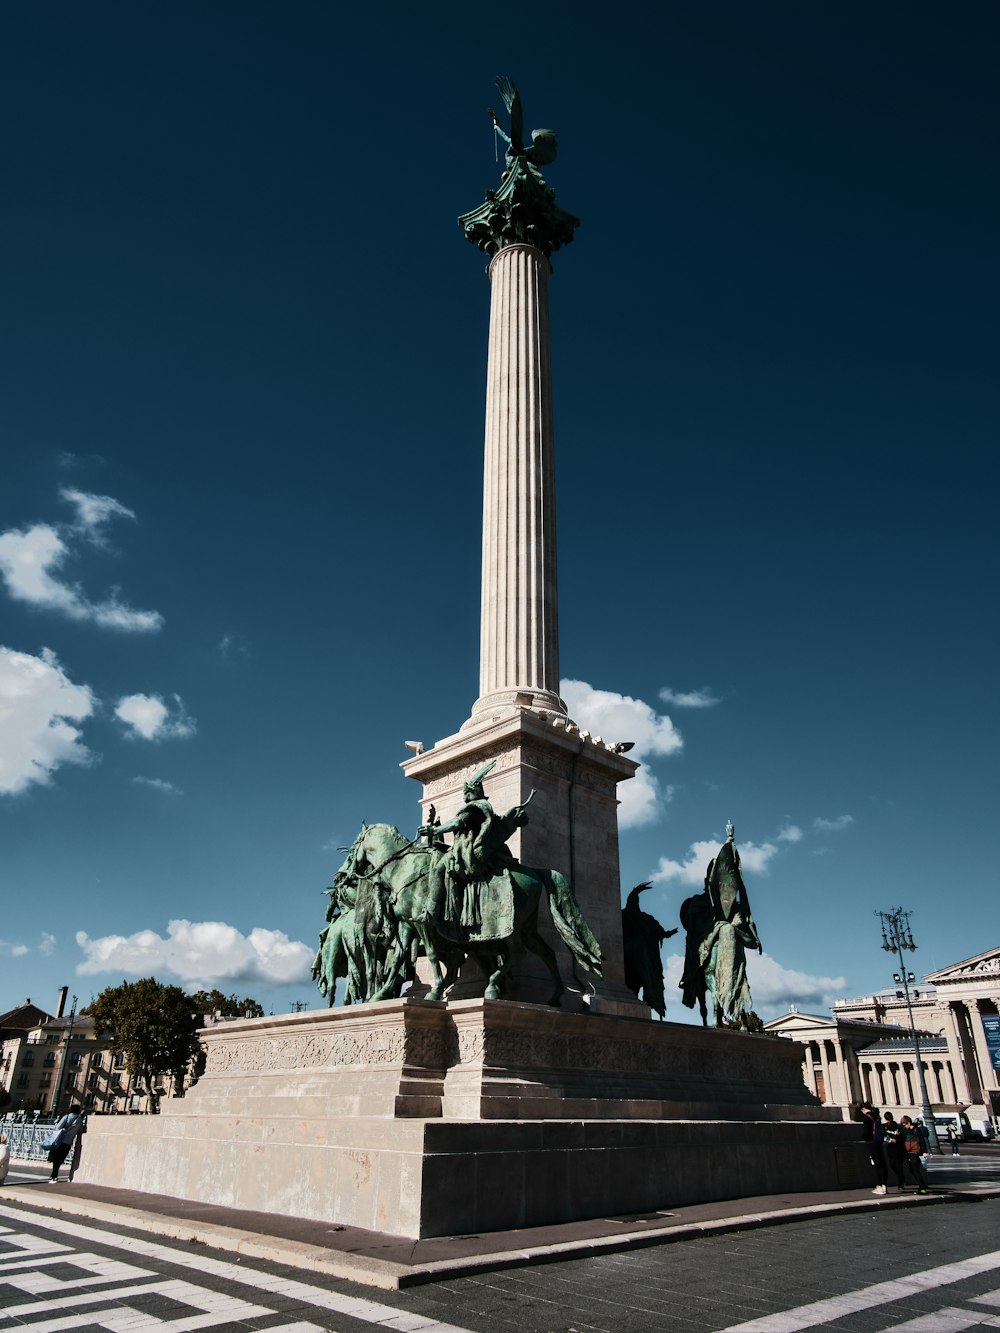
{"x": 394, "y": 900}
{"x": 719, "y": 928}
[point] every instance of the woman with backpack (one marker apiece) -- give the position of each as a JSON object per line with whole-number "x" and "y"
{"x": 65, "y": 1133}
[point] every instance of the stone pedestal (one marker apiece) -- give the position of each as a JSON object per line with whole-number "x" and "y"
{"x": 425, "y": 1119}
{"x": 572, "y": 827}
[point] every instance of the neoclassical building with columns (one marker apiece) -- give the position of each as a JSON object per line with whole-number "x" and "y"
{"x": 864, "y": 1050}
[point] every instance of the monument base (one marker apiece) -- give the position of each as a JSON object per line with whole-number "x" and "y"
{"x": 425, "y": 1119}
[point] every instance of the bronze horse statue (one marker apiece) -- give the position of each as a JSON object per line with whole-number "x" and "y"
{"x": 386, "y": 878}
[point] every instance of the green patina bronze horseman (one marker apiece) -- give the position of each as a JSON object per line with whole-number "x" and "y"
{"x": 523, "y": 211}
{"x": 393, "y": 900}
{"x": 720, "y": 928}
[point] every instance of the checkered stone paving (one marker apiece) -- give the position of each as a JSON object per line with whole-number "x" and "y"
{"x": 47, "y": 1286}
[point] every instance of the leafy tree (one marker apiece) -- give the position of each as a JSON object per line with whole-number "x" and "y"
{"x": 228, "y": 1006}
{"x": 155, "y": 1028}
{"x": 748, "y": 1021}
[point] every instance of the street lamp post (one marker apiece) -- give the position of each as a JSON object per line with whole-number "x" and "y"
{"x": 897, "y": 936}
{"x": 62, "y": 1063}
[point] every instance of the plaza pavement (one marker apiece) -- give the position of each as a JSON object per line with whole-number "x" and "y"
{"x": 394, "y": 1262}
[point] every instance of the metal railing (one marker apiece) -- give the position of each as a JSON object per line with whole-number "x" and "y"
{"x": 24, "y": 1137}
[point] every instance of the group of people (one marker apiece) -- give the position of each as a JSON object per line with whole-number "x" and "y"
{"x": 896, "y": 1148}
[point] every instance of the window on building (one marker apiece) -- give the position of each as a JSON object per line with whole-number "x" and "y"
{"x": 116, "y": 1080}
{"x": 22, "y": 1082}
{"x": 29, "y": 1059}
{"x": 74, "y": 1059}
{"x": 50, "y": 1057}
{"x": 45, "y": 1080}
{"x": 98, "y": 1061}
{"x": 119, "y": 1060}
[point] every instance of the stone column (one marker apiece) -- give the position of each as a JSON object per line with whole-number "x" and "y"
{"x": 987, "y": 1078}
{"x": 948, "y": 1082}
{"x": 855, "y": 1084}
{"x": 839, "y": 1097}
{"x": 879, "y": 1071}
{"x": 519, "y": 634}
{"x": 956, "y": 1055}
{"x": 911, "y": 1081}
{"x": 828, "y": 1092}
{"x": 519, "y": 724}
{"x": 892, "y": 1069}
{"x": 970, "y": 1063}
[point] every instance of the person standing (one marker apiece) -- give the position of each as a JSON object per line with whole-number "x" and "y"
{"x": 912, "y": 1151}
{"x": 923, "y": 1136}
{"x": 871, "y": 1123}
{"x": 65, "y": 1133}
{"x": 892, "y": 1142}
{"x": 4, "y": 1158}
{"x": 952, "y": 1135}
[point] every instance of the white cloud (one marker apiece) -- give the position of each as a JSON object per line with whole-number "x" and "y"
{"x": 29, "y": 559}
{"x": 45, "y": 946}
{"x": 94, "y": 511}
{"x": 158, "y": 784}
{"x": 39, "y": 705}
{"x": 754, "y": 857}
{"x": 150, "y": 719}
{"x": 618, "y": 717}
{"x": 70, "y": 461}
{"x": 703, "y": 698}
{"x": 836, "y": 825}
{"x": 790, "y": 833}
{"x": 200, "y": 953}
{"x": 774, "y": 988}
{"x": 232, "y": 646}
{"x": 757, "y": 857}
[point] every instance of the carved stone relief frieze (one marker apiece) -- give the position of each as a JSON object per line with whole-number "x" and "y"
{"x": 554, "y": 763}
{"x": 452, "y": 777}
{"x": 522, "y": 1049}
{"x": 366, "y": 1046}
{"x": 426, "y": 1048}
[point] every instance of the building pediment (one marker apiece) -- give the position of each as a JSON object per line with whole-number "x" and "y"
{"x": 982, "y": 965}
{"x": 796, "y": 1022}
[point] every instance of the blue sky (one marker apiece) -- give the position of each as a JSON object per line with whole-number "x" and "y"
{"x": 242, "y": 359}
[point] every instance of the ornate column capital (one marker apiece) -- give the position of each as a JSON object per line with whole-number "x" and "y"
{"x": 522, "y": 212}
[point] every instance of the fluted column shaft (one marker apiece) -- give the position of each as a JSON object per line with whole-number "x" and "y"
{"x": 519, "y": 644}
